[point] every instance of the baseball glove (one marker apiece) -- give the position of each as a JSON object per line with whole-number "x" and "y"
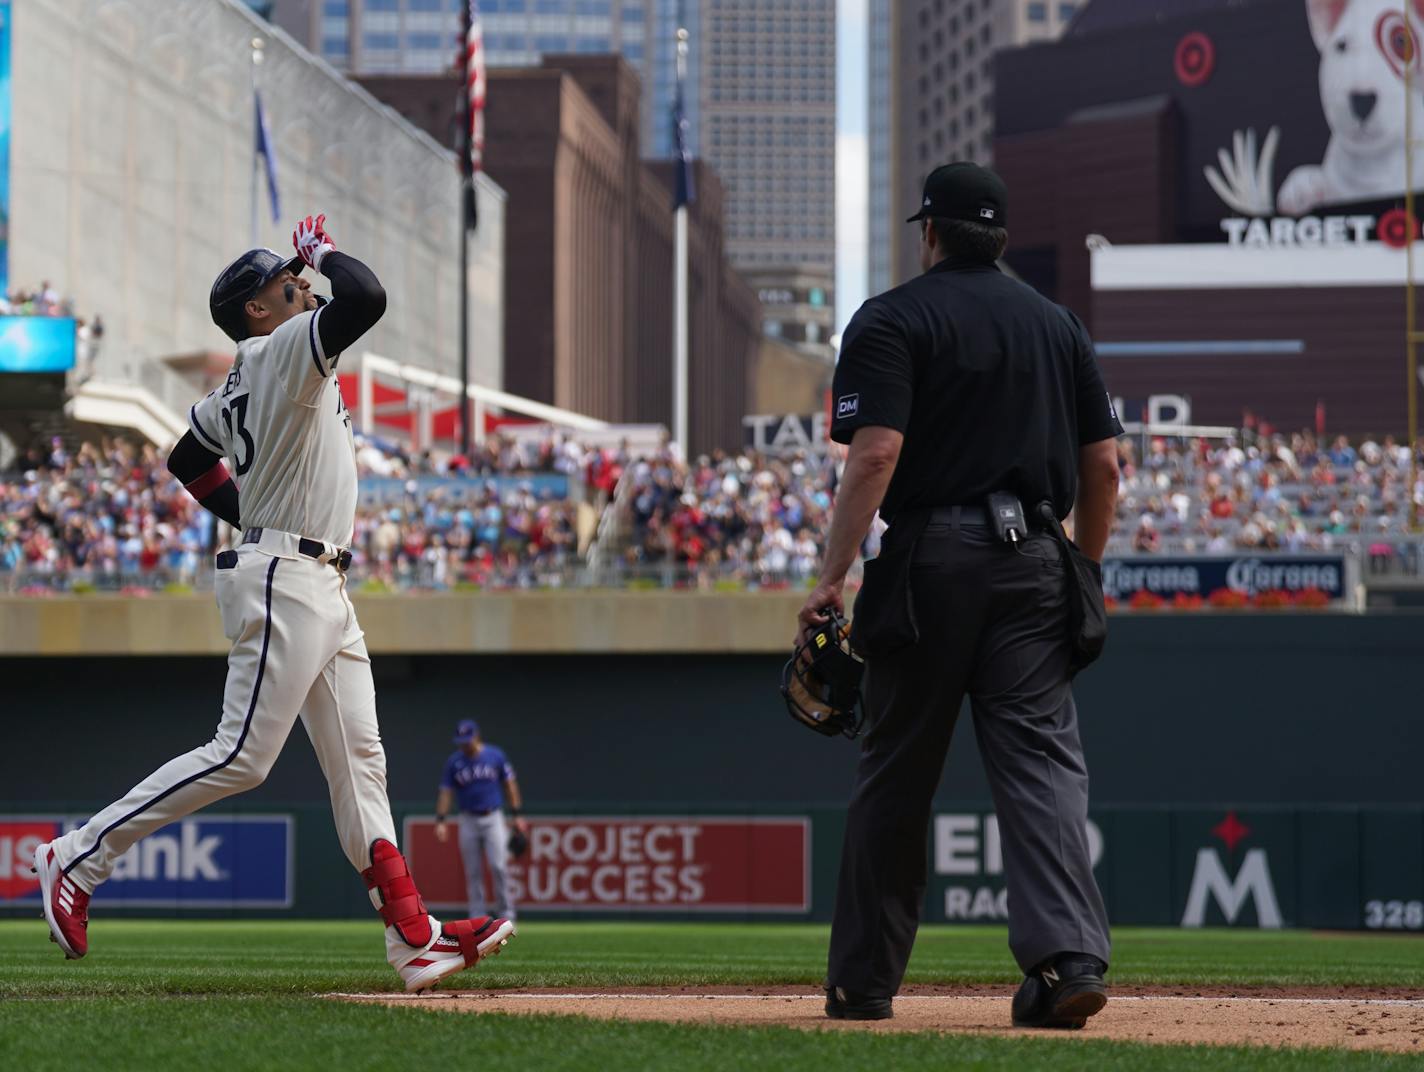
{"x": 821, "y": 681}
{"x": 518, "y": 844}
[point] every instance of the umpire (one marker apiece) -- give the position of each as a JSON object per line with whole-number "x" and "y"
{"x": 956, "y": 389}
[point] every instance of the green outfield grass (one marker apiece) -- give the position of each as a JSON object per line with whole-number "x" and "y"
{"x": 157, "y": 995}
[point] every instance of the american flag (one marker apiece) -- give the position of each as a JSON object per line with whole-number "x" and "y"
{"x": 472, "y": 61}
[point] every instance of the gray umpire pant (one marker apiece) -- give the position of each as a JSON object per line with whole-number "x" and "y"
{"x": 484, "y": 839}
{"x": 992, "y": 625}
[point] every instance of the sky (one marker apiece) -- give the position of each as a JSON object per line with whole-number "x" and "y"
{"x": 852, "y": 162}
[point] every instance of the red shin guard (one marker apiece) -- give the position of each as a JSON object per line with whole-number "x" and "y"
{"x": 401, "y": 906}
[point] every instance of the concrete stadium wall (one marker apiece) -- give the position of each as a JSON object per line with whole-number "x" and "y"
{"x": 131, "y": 169}
{"x": 515, "y": 622}
{"x": 1195, "y": 710}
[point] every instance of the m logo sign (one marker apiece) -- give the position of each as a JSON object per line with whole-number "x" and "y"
{"x": 847, "y": 406}
{"x": 1210, "y": 882}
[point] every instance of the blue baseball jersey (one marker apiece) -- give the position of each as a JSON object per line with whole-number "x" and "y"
{"x": 477, "y": 780}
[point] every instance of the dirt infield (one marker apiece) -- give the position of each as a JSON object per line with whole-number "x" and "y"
{"x": 1169, "y": 1016}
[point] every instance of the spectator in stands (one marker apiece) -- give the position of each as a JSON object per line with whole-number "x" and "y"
{"x": 1146, "y": 539}
{"x": 1342, "y": 454}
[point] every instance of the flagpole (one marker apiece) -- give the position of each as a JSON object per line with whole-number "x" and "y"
{"x": 257, "y": 45}
{"x": 467, "y": 194}
{"x": 679, "y": 344}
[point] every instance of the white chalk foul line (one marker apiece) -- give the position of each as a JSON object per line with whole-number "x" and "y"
{"x": 487, "y": 995}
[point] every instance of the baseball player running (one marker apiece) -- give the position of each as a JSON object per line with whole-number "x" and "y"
{"x": 280, "y": 424}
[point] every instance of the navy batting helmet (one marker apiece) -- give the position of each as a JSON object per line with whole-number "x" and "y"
{"x": 239, "y": 281}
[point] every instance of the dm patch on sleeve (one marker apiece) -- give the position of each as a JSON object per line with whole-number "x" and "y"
{"x": 847, "y": 406}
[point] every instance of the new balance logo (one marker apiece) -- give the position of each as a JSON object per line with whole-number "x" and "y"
{"x": 1050, "y": 976}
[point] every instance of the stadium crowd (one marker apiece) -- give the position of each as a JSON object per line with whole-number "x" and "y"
{"x": 740, "y": 519}
{"x": 109, "y": 515}
{"x": 1262, "y": 493}
{"x": 523, "y": 511}
{"x": 43, "y": 300}
{"x": 98, "y": 515}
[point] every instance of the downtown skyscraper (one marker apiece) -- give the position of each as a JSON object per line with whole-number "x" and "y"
{"x": 760, "y": 101}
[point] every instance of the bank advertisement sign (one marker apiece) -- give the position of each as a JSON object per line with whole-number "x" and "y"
{"x": 202, "y": 862}
{"x": 636, "y": 864}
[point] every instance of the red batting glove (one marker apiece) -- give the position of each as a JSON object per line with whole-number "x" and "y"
{"x": 311, "y": 241}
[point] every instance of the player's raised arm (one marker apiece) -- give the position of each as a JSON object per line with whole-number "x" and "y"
{"x": 357, "y": 298}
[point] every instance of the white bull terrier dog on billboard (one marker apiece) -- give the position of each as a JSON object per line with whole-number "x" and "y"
{"x": 1366, "y": 47}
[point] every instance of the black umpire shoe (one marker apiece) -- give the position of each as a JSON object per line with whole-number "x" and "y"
{"x": 841, "y": 1004}
{"x": 1061, "y": 992}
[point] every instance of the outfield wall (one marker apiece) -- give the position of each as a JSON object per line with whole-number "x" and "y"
{"x": 1183, "y": 709}
{"x": 1209, "y": 737}
{"x": 1335, "y": 868}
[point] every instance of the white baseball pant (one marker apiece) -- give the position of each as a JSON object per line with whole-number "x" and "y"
{"x": 297, "y": 649}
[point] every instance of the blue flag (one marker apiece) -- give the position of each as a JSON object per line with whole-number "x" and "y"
{"x": 263, "y": 148}
{"x": 682, "y": 140}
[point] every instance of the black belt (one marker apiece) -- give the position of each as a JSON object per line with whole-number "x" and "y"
{"x": 973, "y": 517}
{"x": 311, "y": 548}
{"x": 954, "y": 516}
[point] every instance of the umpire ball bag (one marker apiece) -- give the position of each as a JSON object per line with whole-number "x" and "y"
{"x": 1087, "y": 614}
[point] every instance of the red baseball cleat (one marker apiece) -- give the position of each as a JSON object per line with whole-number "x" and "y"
{"x": 462, "y": 944}
{"x": 66, "y": 906}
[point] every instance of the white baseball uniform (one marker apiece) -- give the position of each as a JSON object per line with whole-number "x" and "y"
{"x": 280, "y": 423}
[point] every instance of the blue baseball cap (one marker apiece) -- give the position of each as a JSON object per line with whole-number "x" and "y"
{"x": 466, "y": 731}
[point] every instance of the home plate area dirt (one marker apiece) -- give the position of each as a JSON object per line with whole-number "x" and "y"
{"x": 1368, "y": 1020}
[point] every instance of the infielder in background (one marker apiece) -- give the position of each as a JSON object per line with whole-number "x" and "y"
{"x": 280, "y": 424}
{"x": 480, "y": 776}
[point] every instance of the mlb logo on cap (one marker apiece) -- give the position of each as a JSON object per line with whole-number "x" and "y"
{"x": 966, "y": 192}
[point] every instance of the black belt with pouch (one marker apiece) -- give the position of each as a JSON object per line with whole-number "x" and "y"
{"x": 884, "y": 620}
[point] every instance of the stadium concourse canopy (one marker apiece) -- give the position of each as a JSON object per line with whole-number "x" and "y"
{"x": 422, "y": 408}
{"x": 388, "y": 399}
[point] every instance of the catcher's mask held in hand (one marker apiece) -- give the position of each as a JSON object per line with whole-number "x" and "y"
{"x": 821, "y": 680}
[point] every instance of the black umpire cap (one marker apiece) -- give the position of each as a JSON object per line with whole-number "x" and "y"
{"x": 240, "y": 280}
{"x": 964, "y": 191}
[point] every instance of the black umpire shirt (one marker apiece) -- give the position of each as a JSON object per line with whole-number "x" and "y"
{"x": 993, "y": 386}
